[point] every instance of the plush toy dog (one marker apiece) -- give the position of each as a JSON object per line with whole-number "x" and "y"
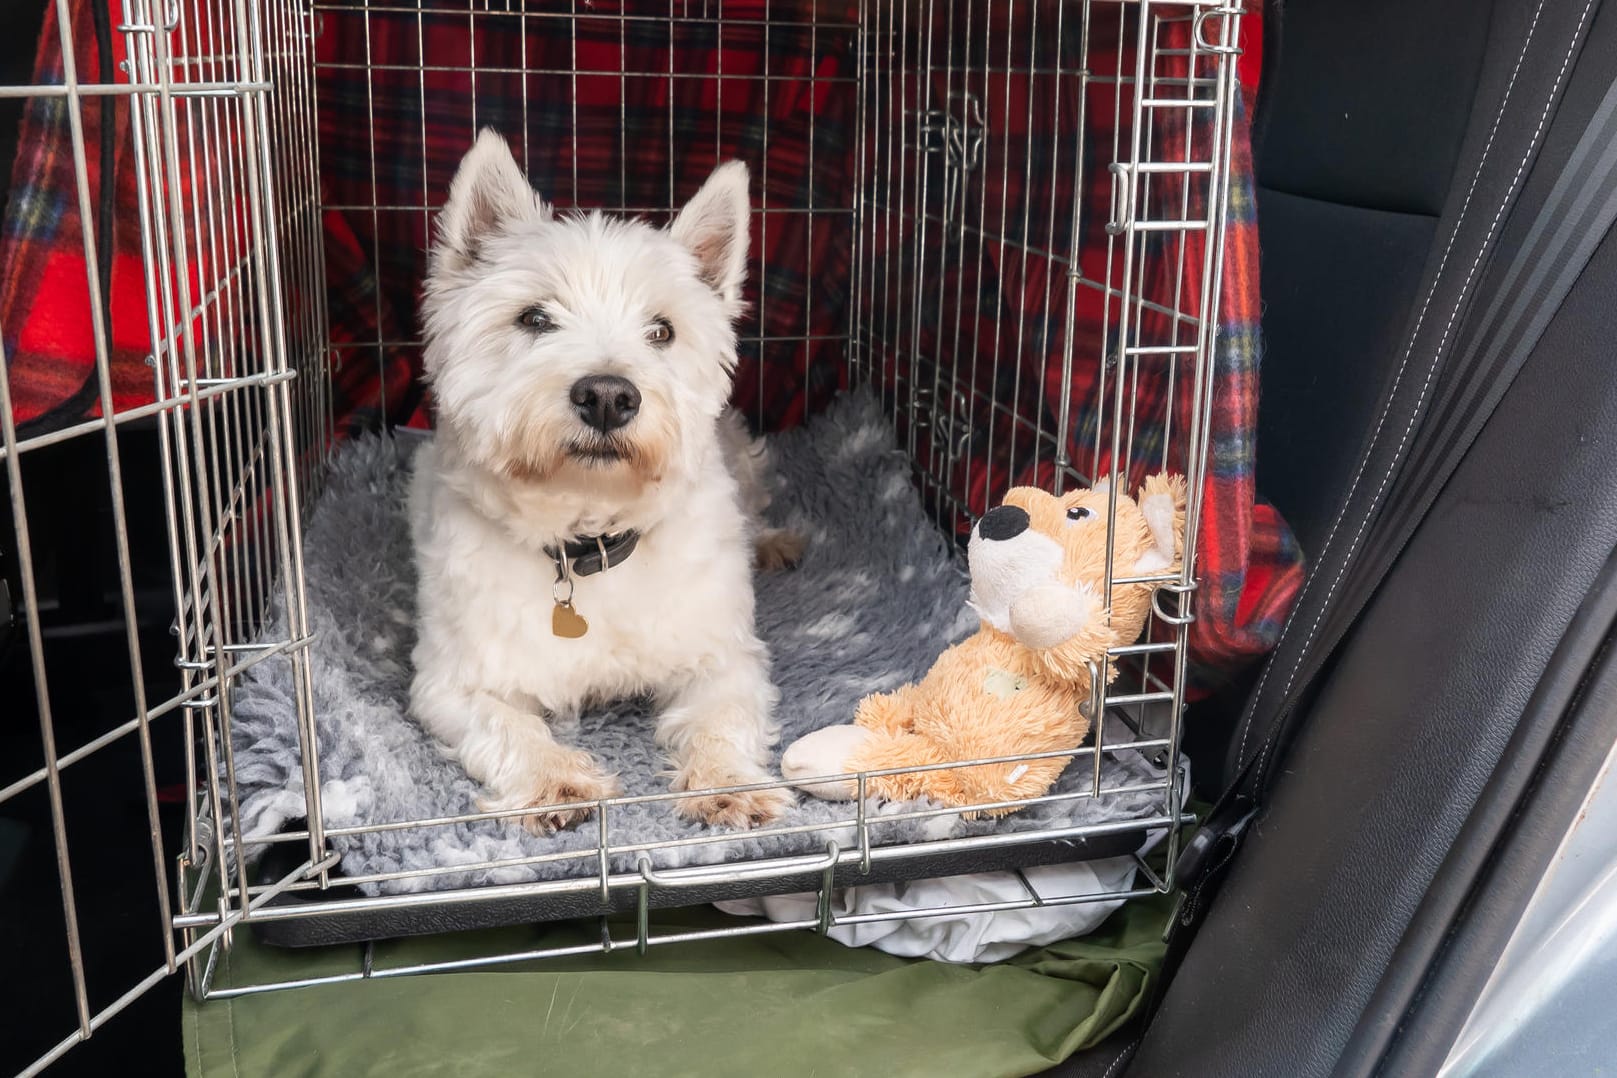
{"x": 1038, "y": 577}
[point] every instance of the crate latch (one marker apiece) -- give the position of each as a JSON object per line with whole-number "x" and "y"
{"x": 959, "y": 133}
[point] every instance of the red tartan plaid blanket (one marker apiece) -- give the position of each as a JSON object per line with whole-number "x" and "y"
{"x": 596, "y": 120}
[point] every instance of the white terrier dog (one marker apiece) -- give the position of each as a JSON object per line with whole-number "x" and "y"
{"x": 585, "y": 519}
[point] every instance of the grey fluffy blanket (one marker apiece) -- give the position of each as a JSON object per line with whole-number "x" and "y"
{"x": 877, "y": 597}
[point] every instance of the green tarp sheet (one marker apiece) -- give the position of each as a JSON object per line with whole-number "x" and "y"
{"x": 791, "y": 1003}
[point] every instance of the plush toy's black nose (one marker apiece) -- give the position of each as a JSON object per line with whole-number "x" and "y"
{"x": 1004, "y": 522}
{"x": 605, "y": 401}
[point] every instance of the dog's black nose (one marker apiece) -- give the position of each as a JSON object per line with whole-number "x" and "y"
{"x": 605, "y": 401}
{"x": 1003, "y": 522}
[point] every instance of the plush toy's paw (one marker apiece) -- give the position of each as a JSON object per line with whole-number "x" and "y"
{"x": 824, "y": 752}
{"x": 1162, "y": 503}
{"x": 1050, "y": 614}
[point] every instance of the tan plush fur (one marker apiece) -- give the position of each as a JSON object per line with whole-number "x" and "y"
{"x": 995, "y": 694}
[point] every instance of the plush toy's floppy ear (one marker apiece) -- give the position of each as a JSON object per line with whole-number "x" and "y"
{"x": 1162, "y": 501}
{"x": 488, "y": 191}
{"x": 713, "y": 227}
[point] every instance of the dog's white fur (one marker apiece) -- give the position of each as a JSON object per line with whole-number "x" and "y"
{"x": 514, "y": 468}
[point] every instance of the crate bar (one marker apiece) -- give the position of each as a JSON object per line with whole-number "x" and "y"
{"x": 133, "y": 89}
{"x": 728, "y": 932}
{"x": 253, "y": 571}
{"x": 1172, "y": 350}
{"x": 1178, "y": 103}
{"x": 1212, "y": 283}
{"x": 1168, "y": 226}
{"x": 892, "y": 213}
{"x": 148, "y": 128}
{"x": 1003, "y": 905}
{"x": 813, "y": 97}
{"x": 852, "y": 354}
{"x": 1063, "y": 458}
{"x": 1157, "y": 168}
{"x": 963, "y": 511}
{"x": 835, "y": 826}
{"x": 159, "y": 301}
{"x": 217, "y": 388}
{"x": 785, "y": 868}
{"x": 1161, "y": 350}
{"x": 36, "y": 649}
{"x": 317, "y": 260}
{"x": 1119, "y": 166}
{"x": 286, "y": 510}
{"x": 1152, "y": 86}
{"x": 763, "y": 204}
{"x": 1123, "y": 294}
{"x": 214, "y": 308}
{"x": 674, "y": 796}
{"x": 571, "y": 17}
{"x": 1039, "y": 406}
{"x": 206, "y": 462}
{"x": 1027, "y": 220}
{"x": 944, "y": 418}
{"x": 776, "y": 338}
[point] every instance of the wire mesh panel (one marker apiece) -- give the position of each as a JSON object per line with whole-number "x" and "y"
{"x": 233, "y": 257}
{"x": 181, "y": 127}
{"x": 1040, "y": 207}
{"x": 1002, "y": 216}
{"x": 1042, "y": 203}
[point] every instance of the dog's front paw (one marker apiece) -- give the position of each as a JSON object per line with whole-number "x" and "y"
{"x": 565, "y": 795}
{"x": 778, "y": 548}
{"x": 738, "y": 811}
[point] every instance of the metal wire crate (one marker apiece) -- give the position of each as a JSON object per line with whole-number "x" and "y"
{"x": 1005, "y": 217}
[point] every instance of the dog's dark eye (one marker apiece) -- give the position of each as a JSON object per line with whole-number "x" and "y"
{"x": 1079, "y": 512}
{"x": 661, "y": 332}
{"x": 536, "y": 319}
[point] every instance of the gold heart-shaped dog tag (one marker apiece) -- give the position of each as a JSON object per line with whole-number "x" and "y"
{"x": 567, "y": 622}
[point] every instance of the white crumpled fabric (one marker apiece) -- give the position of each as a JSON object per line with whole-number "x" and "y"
{"x": 965, "y": 937}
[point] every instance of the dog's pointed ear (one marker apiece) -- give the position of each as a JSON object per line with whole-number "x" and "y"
{"x": 488, "y": 191}
{"x": 713, "y": 227}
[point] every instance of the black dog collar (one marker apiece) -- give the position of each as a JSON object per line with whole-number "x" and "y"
{"x": 593, "y": 554}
